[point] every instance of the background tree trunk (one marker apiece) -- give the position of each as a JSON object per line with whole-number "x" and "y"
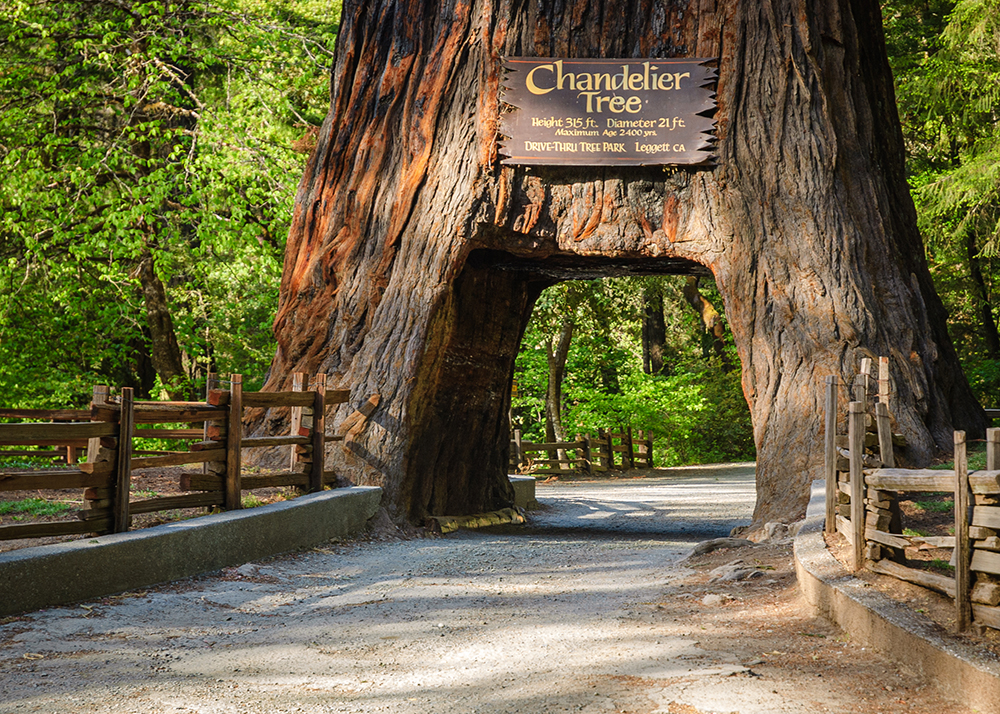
{"x": 164, "y": 352}
{"x": 654, "y": 329}
{"x": 414, "y": 257}
{"x": 556, "y": 361}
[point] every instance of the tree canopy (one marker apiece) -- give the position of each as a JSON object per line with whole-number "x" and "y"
{"x": 150, "y": 153}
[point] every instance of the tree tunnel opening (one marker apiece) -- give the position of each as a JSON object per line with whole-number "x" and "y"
{"x": 463, "y": 402}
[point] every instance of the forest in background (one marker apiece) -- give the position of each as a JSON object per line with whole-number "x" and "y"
{"x": 150, "y": 153}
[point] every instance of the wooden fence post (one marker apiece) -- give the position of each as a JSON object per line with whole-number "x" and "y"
{"x": 518, "y": 452}
{"x": 123, "y": 464}
{"x": 963, "y": 602}
{"x": 856, "y": 440}
{"x": 992, "y": 449}
{"x": 883, "y": 381}
{"x": 98, "y": 500}
{"x": 830, "y": 453}
{"x": 629, "y": 450}
{"x": 318, "y": 435}
{"x": 298, "y": 385}
{"x": 963, "y": 585}
{"x": 100, "y": 397}
{"x": 861, "y": 390}
{"x": 232, "y": 492}
{"x": 882, "y": 423}
{"x": 211, "y": 379}
{"x": 583, "y": 453}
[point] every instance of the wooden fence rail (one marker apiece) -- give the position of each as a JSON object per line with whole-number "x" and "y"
{"x": 863, "y": 492}
{"x": 108, "y": 435}
{"x": 590, "y": 454}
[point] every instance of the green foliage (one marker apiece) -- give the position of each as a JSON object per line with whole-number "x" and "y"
{"x": 946, "y": 58}
{"x": 132, "y": 131}
{"x": 696, "y": 411}
{"x": 34, "y": 507}
{"x": 942, "y": 564}
{"x": 935, "y": 506}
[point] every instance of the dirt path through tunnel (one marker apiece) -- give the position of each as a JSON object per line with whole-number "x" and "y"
{"x": 589, "y": 608}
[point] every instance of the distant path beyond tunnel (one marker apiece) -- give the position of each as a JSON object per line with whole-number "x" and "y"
{"x": 683, "y": 504}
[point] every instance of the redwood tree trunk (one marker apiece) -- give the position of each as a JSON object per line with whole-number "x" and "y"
{"x": 414, "y": 257}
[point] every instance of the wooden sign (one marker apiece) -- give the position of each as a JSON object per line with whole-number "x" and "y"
{"x": 608, "y": 112}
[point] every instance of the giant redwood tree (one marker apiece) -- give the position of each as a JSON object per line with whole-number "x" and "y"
{"x": 415, "y": 256}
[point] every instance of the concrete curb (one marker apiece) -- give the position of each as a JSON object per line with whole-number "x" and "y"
{"x": 33, "y": 578}
{"x": 960, "y": 671}
{"x": 524, "y": 492}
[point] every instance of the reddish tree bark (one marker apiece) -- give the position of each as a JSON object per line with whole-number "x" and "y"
{"x": 414, "y": 258}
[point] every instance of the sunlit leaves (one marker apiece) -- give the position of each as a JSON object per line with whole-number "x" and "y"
{"x": 696, "y": 411}
{"x": 150, "y": 128}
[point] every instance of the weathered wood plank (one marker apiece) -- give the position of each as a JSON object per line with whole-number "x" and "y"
{"x": 931, "y": 480}
{"x": 529, "y": 446}
{"x": 352, "y": 426}
{"x": 123, "y": 464}
{"x": 992, "y": 449}
{"x": 55, "y": 479}
{"x": 286, "y": 478}
{"x": 261, "y": 441}
{"x": 179, "y": 459}
{"x": 57, "y": 528}
{"x": 830, "y": 453}
{"x": 54, "y": 434}
{"x": 234, "y": 436}
{"x": 168, "y": 503}
{"x": 271, "y": 400}
{"x": 168, "y": 433}
{"x": 201, "y": 482}
{"x": 985, "y": 561}
{"x": 919, "y": 480}
{"x": 845, "y": 529}
{"x": 986, "y": 516}
{"x": 962, "y": 554}
{"x": 990, "y": 543}
{"x": 206, "y": 445}
{"x": 47, "y": 414}
{"x": 147, "y": 415}
{"x": 886, "y": 453}
{"x": 933, "y": 581}
{"x": 986, "y": 615}
{"x": 855, "y": 436}
{"x": 318, "y": 434}
{"x": 890, "y": 539}
{"x": 298, "y": 385}
{"x": 39, "y": 453}
{"x": 337, "y": 396}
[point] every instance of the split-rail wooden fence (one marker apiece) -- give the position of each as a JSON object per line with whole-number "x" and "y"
{"x": 610, "y": 450}
{"x": 862, "y": 504}
{"x": 216, "y": 447}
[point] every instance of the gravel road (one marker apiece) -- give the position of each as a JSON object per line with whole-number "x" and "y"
{"x": 588, "y": 608}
